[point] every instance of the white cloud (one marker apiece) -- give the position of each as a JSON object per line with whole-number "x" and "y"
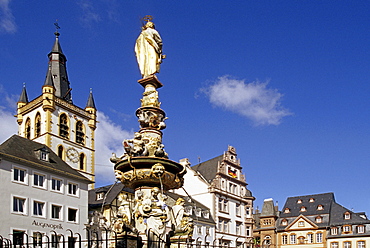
{"x": 108, "y": 140}
{"x": 8, "y": 124}
{"x": 89, "y": 15}
{"x": 252, "y": 100}
{"x": 7, "y": 20}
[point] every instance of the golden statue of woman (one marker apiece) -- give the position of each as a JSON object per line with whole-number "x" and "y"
{"x": 148, "y": 49}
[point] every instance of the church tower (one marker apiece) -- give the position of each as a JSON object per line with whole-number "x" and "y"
{"x": 52, "y": 118}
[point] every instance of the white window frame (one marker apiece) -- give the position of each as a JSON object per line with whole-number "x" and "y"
{"x": 44, "y": 182}
{"x": 334, "y": 231}
{"x": 77, "y": 214}
{"x": 361, "y": 244}
{"x": 20, "y": 168}
{"x": 61, "y": 185}
{"x": 25, "y": 205}
{"x": 310, "y": 238}
{"x": 319, "y": 237}
{"x": 360, "y": 229}
{"x": 347, "y": 244}
{"x": 38, "y": 241}
{"x": 77, "y": 194}
{"x": 293, "y": 239}
{"x": 237, "y": 209}
{"x": 334, "y": 245}
{"x": 43, "y": 215}
{"x": 284, "y": 239}
{"x": 60, "y": 212}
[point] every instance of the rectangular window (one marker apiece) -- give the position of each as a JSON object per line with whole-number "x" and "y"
{"x": 223, "y": 225}
{"x": 56, "y": 184}
{"x": 72, "y": 189}
{"x": 55, "y": 241}
{"x": 334, "y": 231}
{"x": 207, "y": 230}
{"x": 310, "y": 238}
{"x": 38, "y": 208}
{"x": 318, "y": 237}
{"x": 346, "y": 228}
{"x": 334, "y": 245}
{"x": 248, "y": 231}
{"x": 237, "y": 209}
{"x": 248, "y": 212}
{"x": 285, "y": 239}
{"x": 72, "y": 215}
{"x": 237, "y": 228}
{"x": 347, "y": 244}
{"x": 361, "y": 244}
{"x": 38, "y": 180}
{"x": 360, "y": 229}
{"x": 18, "y": 205}
{"x": 37, "y": 239}
{"x": 200, "y": 230}
{"x": 293, "y": 239}
{"x": 19, "y": 175}
{"x": 18, "y": 238}
{"x": 55, "y": 212}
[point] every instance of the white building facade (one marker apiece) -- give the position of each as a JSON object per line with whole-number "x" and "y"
{"x": 220, "y": 184}
{"x": 41, "y": 195}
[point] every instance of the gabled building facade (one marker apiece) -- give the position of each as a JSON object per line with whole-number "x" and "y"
{"x": 41, "y": 194}
{"x": 318, "y": 221}
{"x": 52, "y": 118}
{"x": 264, "y": 231}
{"x": 220, "y": 184}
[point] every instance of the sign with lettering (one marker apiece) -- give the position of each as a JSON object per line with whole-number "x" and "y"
{"x": 47, "y": 225}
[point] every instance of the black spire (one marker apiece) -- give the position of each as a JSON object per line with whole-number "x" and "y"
{"x": 23, "y": 97}
{"x": 90, "y": 101}
{"x": 57, "y": 71}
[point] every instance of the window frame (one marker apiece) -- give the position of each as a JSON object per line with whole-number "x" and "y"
{"x": 76, "y": 215}
{"x": 61, "y": 188}
{"x": 35, "y": 208}
{"x": 24, "y": 205}
{"x": 80, "y": 133}
{"x": 25, "y": 176}
{"x": 38, "y": 125}
{"x": 38, "y": 175}
{"x": 64, "y": 126}
{"x": 52, "y": 205}
{"x": 75, "y": 192}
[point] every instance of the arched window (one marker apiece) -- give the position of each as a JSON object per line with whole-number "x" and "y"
{"x": 82, "y": 161}
{"x": 38, "y": 125}
{"x": 63, "y": 126}
{"x": 60, "y": 151}
{"x": 80, "y": 135}
{"x": 27, "y": 130}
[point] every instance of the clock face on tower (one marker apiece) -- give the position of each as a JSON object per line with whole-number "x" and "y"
{"x": 72, "y": 154}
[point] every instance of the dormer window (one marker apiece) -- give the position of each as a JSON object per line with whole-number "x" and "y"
{"x": 361, "y": 229}
{"x": 320, "y": 207}
{"x": 206, "y": 214}
{"x": 318, "y": 219}
{"x": 286, "y": 210}
{"x": 198, "y": 212}
{"x": 346, "y": 228}
{"x": 299, "y": 201}
{"x": 311, "y": 200}
{"x": 43, "y": 154}
{"x": 99, "y": 196}
{"x": 334, "y": 231}
{"x": 188, "y": 209}
{"x": 303, "y": 209}
{"x": 284, "y": 222}
{"x": 347, "y": 215}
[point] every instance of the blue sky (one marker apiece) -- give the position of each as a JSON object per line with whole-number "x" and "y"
{"x": 287, "y": 83}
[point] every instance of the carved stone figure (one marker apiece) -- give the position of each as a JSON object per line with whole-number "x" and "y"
{"x": 160, "y": 152}
{"x": 186, "y": 227}
{"x": 138, "y": 145}
{"x": 178, "y": 212}
{"x": 157, "y": 170}
{"x": 148, "y": 49}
